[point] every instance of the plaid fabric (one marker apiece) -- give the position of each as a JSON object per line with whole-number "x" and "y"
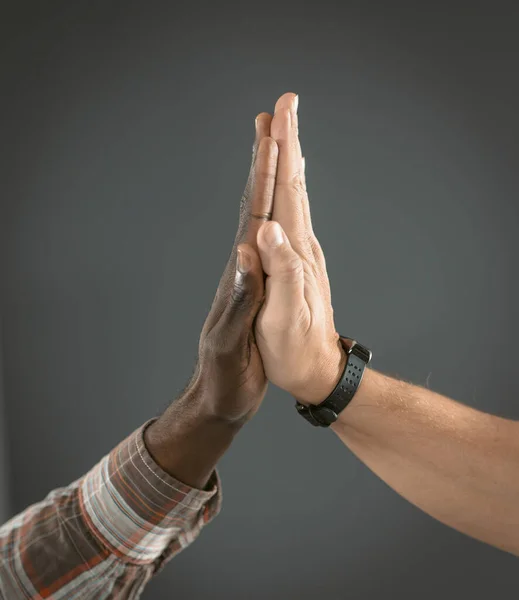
{"x": 106, "y": 534}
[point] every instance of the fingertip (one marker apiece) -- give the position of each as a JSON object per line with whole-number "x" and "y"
{"x": 281, "y": 124}
{"x": 287, "y": 100}
{"x": 243, "y": 261}
{"x": 272, "y": 235}
{"x": 248, "y": 281}
{"x": 263, "y": 247}
{"x": 244, "y": 247}
{"x": 263, "y": 117}
{"x": 247, "y": 259}
{"x": 260, "y": 238}
{"x": 262, "y": 124}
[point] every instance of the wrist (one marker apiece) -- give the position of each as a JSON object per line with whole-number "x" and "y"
{"x": 373, "y": 392}
{"x": 190, "y": 437}
{"x": 325, "y": 377}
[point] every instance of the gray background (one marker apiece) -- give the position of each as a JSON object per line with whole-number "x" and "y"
{"x": 4, "y": 460}
{"x": 126, "y": 132}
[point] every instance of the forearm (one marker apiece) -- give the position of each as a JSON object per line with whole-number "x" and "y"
{"x": 458, "y": 464}
{"x": 190, "y": 438}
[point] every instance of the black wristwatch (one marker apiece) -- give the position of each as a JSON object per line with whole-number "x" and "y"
{"x": 327, "y": 412}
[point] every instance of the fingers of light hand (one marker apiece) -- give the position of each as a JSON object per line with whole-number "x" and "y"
{"x": 288, "y": 101}
{"x": 305, "y": 199}
{"x": 284, "y": 130}
{"x": 291, "y": 201}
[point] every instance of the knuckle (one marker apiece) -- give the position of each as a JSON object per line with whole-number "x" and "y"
{"x": 265, "y": 178}
{"x": 291, "y": 269}
{"x": 293, "y": 264}
{"x": 219, "y": 346}
{"x": 266, "y": 164}
{"x": 245, "y": 199}
{"x": 295, "y": 185}
{"x": 299, "y": 321}
{"x": 316, "y": 249}
{"x": 314, "y": 243}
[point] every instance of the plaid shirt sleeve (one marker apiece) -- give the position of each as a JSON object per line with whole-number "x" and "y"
{"x": 106, "y": 534}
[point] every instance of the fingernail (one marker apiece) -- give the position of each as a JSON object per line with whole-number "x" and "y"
{"x": 274, "y": 234}
{"x": 296, "y": 103}
{"x": 243, "y": 262}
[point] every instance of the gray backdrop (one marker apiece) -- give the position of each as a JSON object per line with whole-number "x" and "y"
{"x": 126, "y": 135}
{"x": 4, "y": 462}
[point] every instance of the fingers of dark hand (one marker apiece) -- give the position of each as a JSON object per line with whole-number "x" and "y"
{"x": 256, "y": 207}
{"x": 263, "y": 121}
{"x": 233, "y": 328}
{"x": 257, "y": 202}
{"x": 262, "y": 127}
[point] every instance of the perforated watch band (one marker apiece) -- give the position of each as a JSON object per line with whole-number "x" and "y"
{"x": 327, "y": 412}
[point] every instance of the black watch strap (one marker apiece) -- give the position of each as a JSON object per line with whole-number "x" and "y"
{"x": 327, "y": 412}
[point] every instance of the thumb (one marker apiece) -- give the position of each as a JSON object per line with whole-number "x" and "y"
{"x": 245, "y": 298}
{"x": 284, "y": 267}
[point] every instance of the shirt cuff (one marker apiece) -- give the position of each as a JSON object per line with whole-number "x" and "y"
{"x": 139, "y": 512}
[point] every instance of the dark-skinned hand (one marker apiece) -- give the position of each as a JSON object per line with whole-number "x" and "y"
{"x": 229, "y": 382}
{"x": 230, "y": 369}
